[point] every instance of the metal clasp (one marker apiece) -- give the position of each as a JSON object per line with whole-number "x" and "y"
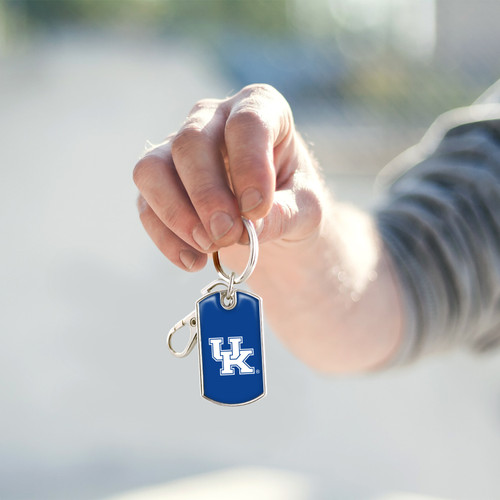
{"x": 191, "y": 321}
{"x": 252, "y": 259}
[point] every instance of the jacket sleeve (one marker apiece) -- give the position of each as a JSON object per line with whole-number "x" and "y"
{"x": 440, "y": 222}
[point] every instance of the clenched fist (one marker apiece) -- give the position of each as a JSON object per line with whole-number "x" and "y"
{"x": 232, "y": 157}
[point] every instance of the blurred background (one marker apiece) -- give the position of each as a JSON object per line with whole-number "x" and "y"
{"x": 92, "y": 405}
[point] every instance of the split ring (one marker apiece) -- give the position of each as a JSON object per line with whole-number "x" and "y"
{"x": 252, "y": 259}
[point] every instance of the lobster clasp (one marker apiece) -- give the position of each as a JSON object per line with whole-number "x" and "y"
{"x": 189, "y": 320}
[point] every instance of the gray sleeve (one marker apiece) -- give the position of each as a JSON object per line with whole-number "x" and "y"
{"x": 440, "y": 222}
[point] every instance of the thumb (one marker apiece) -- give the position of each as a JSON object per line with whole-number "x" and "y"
{"x": 294, "y": 216}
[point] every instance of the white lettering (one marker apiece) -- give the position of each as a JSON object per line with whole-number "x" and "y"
{"x": 235, "y": 357}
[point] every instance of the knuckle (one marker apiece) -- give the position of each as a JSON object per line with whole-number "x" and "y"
{"x": 245, "y": 117}
{"x": 204, "y": 104}
{"x": 172, "y": 217}
{"x": 204, "y": 196}
{"x": 189, "y": 135}
{"x": 264, "y": 97}
{"x": 143, "y": 169}
{"x": 260, "y": 89}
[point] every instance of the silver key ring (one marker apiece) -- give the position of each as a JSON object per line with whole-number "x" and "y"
{"x": 252, "y": 260}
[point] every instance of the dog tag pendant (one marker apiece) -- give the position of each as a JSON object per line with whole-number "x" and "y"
{"x": 227, "y": 324}
{"x": 230, "y": 349}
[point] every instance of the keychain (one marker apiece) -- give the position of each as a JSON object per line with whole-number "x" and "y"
{"x": 227, "y": 325}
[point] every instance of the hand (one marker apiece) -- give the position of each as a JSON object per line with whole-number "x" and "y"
{"x": 232, "y": 157}
{"x": 242, "y": 156}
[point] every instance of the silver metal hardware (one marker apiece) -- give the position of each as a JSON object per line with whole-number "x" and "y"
{"x": 228, "y": 298}
{"x": 192, "y": 322}
{"x": 252, "y": 260}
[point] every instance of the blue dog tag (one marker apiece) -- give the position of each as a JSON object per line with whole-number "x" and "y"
{"x": 231, "y": 349}
{"x": 227, "y": 325}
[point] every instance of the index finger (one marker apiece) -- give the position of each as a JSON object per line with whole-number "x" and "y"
{"x": 259, "y": 121}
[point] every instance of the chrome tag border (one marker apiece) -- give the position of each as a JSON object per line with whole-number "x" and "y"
{"x": 200, "y": 360}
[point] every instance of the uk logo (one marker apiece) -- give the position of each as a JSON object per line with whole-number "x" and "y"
{"x": 232, "y": 358}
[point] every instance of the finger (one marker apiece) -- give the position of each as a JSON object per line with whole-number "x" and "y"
{"x": 196, "y": 153}
{"x": 173, "y": 247}
{"x": 259, "y": 121}
{"x": 159, "y": 184}
{"x": 295, "y": 214}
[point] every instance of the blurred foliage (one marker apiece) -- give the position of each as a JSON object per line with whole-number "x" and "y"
{"x": 416, "y": 92}
{"x": 315, "y": 52}
{"x": 256, "y": 16}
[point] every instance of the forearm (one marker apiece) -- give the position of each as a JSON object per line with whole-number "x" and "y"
{"x": 344, "y": 290}
{"x": 441, "y": 224}
{"x": 333, "y": 298}
{"x": 433, "y": 246}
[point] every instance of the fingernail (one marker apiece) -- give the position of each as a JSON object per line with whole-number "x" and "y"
{"x": 250, "y": 199}
{"x": 201, "y": 238}
{"x": 220, "y": 224}
{"x": 188, "y": 258}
